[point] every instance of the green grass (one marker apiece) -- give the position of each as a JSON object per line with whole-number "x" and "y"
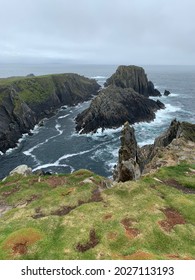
{"x": 56, "y": 237}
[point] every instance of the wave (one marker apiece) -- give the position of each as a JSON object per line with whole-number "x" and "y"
{"x": 36, "y": 129}
{"x": 62, "y": 117}
{"x": 99, "y": 77}
{"x": 10, "y": 150}
{"x": 48, "y": 165}
{"x": 29, "y": 151}
{"x": 57, "y": 127}
{"x": 145, "y": 142}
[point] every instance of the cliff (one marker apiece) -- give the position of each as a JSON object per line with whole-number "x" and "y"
{"x": 113, "y": 106}
{"x": 174, "y": 146}
{"x": 24, "y": 101}
{"x": 133, "y": 77}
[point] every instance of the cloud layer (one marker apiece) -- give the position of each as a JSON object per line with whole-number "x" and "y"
{"x": 98, "y": 31}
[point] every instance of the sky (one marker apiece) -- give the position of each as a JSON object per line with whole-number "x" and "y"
{"x": 98, "y": 31}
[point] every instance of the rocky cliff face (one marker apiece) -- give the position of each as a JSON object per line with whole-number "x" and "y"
{"x": 175, "y": 145}
{"x": 133, "y": 77}
{"x": 114, "y": 106}
{"x": 128, "y": 166}
{"x": 24, "y": 101}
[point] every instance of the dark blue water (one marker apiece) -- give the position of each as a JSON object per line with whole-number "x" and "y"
{"x": 57, "y": 148}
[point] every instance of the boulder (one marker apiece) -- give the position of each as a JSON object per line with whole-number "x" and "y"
{"x": 22, "y": 170}
{"x": 113, "y": 107}
{"x": 133, "y": 77}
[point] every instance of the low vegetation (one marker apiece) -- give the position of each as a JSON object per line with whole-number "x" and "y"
{"x": 84, "y": 216}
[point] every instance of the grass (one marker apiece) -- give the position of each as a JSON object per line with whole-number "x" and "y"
{"x": 36, "y": 90}
{"x": 125, "y": 219}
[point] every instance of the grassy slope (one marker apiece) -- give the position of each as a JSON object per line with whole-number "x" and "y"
{"x": 57, "y": 217}
{"x": 40, "y": 88}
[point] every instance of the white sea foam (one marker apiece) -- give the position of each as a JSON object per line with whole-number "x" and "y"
{"x": 35, "y": 130}
{"x": 99, "y": 77}
{"x": 58, "y": 126}
{"x": 62, "y": 117}
{"x": 145, "y": 142}
{"x": 101, "y": 134}
{"x": 72, "y": 155}
{"x": 47, "y": 165}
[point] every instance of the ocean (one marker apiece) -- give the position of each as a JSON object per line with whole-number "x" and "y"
{"x": 57, "y": 148}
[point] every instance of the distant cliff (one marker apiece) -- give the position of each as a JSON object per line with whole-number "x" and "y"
{"x": 24, "y": 101}
{"x": 133, "y": 77}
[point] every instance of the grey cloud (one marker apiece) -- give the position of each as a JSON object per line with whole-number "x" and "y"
{"x": 99, "y": 31}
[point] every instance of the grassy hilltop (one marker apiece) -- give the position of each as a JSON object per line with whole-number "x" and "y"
{"x": 81, "y": 216}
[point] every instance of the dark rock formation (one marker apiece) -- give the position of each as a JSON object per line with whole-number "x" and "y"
{"x": 128, "y": 166}
{"x": 166, "y": 92}
{"x": 133, "y": 77}
{"x": 25, "y": 101}
{"x": 114, "y": 106}
{"x": 176, "y": 144}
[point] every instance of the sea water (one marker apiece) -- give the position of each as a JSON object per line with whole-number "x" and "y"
{"x": 56, "y": 147}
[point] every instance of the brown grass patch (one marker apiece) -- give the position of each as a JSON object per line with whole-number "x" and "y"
{"x": 112, "y": 235}
{"x": 18, "y": 242}
{"x": 55, "y": 181}
{"x": 172, "y": 218}
{"x": 177, "y": 257}
{"x": 129, "y": 230}
{"x": 140, "y": 256}
{"x": 107, "y": 217}
{"x": 8, "y": 193}
{"x": 93, "y": 241}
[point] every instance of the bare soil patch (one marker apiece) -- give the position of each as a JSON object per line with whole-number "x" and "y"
{"x": 93, "y": 241}
{"x": 8, "y": 193}
{"x": 130, "y": 231}
{"x": 64, "y": 210}
{"x": 172, "y": 218}
{"x": 175, "y": 184}
{"x": 18, "y": 242}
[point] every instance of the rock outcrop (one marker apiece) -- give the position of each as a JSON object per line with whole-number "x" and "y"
{"x": 175, "y": 145}
{"x": 166, "y": 92}
{"x": 24, "y": 101}
{"x": 128, "y": 166}
{"x": 133, "y": 77}
{"x": 113, "y": 106}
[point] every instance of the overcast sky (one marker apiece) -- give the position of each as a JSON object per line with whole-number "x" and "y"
{"x": 98, "y": 31}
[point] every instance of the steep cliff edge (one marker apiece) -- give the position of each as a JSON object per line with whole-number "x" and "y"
{"x": 113, "y": 106}
{"x": 133, "y": 77}
{"x": 24, "y": 101}
{"x": 174, "y": 146}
